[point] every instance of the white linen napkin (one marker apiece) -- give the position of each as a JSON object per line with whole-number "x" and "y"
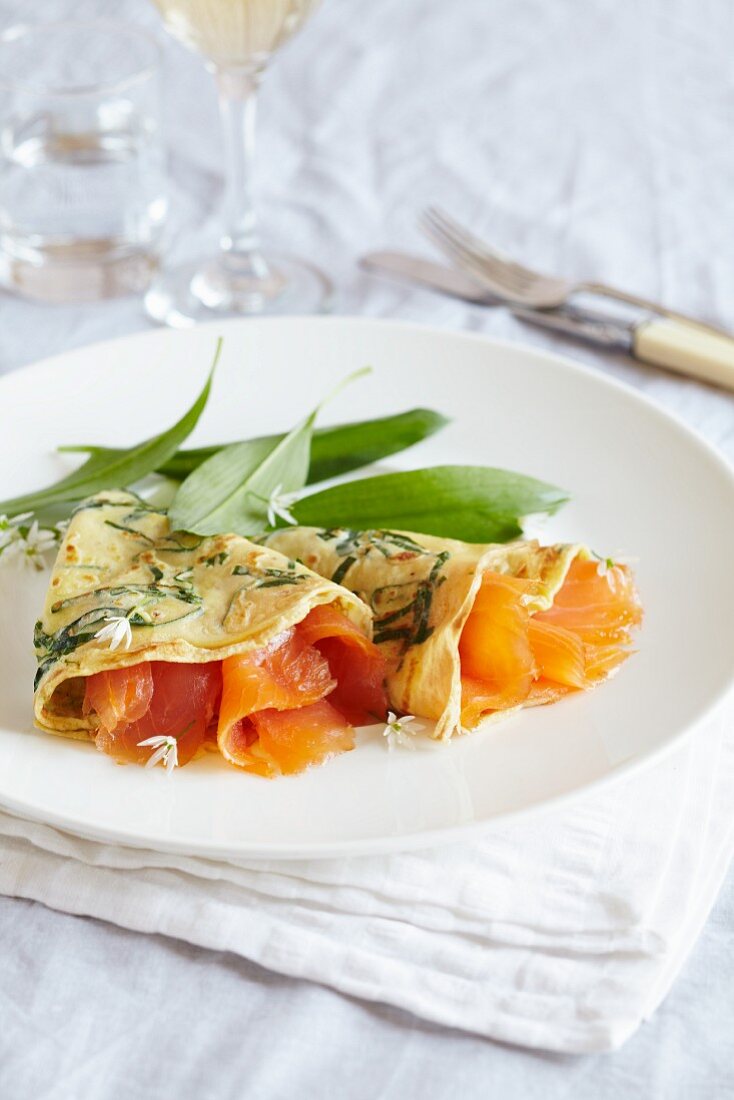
{"x": 562, "y": 932}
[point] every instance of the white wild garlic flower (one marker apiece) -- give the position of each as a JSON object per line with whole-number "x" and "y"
{"x": 279, "y": 505}
{"x": 116, "y": 631}
{"x": 29, "y": 549}
{"x": 166, "y": 749}
{"x": 397, "y": 732}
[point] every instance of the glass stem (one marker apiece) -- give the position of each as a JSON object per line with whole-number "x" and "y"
{"x": 238, "y": 106}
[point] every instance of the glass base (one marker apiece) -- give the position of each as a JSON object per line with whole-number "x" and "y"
{"x": 69, "y": 272}
{"x": 207, "y": 291}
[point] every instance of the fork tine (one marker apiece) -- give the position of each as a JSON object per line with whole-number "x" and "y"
{"x": 460, "y": 232}
{"x": 493, "y": 275}
{"x": 503, "y": 284}
{"x": 453, "y": 249}
{"x": 480, "y": 248}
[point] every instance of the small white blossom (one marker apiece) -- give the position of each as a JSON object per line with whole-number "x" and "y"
{"x": 29, "y": 549}
{"x": 279, "y": 504}
{"x": 397, "y": 733}
{"x": 7, "y": 533}
{"x": 166, "y": 749}
{"x": 117, "y": 632}
{"x": 9, "y": 527}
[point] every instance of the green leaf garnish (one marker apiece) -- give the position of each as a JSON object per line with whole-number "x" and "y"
{"x": 335, "y": 450}
{"x": 113, "y": 470}
{"x": 471, "y": 503}
{"x": 231, "y": 491}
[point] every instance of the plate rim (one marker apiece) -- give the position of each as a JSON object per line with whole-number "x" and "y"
{"x": 428, "y": 838}
{"x": 369, "y": 846}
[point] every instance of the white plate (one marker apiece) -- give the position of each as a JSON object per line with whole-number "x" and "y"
{"x": 641, "y": 484}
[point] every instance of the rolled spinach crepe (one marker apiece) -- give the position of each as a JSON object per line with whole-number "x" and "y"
{"x": 157, "y": 644}
{"x": 471, "y": 630}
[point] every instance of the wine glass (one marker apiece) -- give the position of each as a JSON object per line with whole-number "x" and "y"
{"x": 237, "y": 38}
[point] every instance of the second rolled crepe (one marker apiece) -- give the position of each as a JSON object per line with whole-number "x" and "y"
{"x": 471, "y": 630}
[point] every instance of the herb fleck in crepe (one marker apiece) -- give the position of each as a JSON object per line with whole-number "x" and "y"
{"x": 269, "y": 578}
{"x": 351, "y": 546}
{"x": 403, "y": 612}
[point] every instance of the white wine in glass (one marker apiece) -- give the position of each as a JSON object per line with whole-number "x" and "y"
{"x": 237, "y": 38}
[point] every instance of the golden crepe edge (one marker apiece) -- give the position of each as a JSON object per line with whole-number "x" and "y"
{"x": 185, "y": 598}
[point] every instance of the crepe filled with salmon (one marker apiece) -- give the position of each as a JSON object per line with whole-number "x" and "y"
{"x": 157, "y": 645}
{"x": 469, "y": 630}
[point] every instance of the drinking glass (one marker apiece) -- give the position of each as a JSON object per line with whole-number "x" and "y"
{"x": 237, "y": 38}
{"x": 82, "y": 186}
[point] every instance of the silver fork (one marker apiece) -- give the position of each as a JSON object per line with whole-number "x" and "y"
{"x": 522, "y": 285}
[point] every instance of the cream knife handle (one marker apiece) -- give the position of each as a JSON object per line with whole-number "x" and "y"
{"x": 687, "y": 349}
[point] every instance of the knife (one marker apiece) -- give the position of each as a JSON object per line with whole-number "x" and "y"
{"x": 660, "y": 341}
{"x": 447, "y": 280}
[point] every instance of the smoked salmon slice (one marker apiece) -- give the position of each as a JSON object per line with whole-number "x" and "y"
{"x": 120, "y": 695}
{"x": 324, "y": 655}
{"x": 153, "y": 699}
{"x": 601, "y": 607}
{"x": 307, "y": 736}
{"x": 560, "y": 655}
{"x": 277, "y": 709}
{"x": 509, "y": 657}
{"x": 286, "y": 674}
{"x": 497, "y": 659}
{"x": 355, "y": 662}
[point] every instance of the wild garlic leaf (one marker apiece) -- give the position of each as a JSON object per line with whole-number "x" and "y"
{"x": 346, "y": 447}
{"x": 335, "y": 450}
{"x": 118, "y": 469}
{"x": 471, "y": 503}
{"x": 231, "y": 491}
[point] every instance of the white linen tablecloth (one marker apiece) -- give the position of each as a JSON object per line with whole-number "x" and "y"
{"x": 593, "y": 139}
